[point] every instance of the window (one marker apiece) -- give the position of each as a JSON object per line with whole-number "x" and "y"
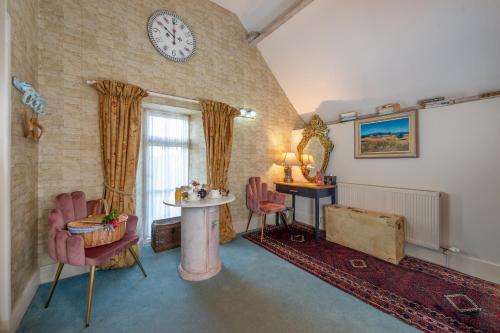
{"x": 166, "y": 155}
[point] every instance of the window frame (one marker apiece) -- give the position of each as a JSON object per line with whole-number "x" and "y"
{"x": 146, "y": 143}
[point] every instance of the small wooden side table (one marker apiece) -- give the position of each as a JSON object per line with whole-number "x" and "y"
{"x": 308, "y": 190}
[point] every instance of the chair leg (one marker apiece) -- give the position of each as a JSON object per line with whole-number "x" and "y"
{"x": 136, "y": 257}
{"x": 54, "y": 283}
{"x": 284, "y": 221}
{"x": 249, "y": 219}
{"x": 262, "y": 226}
{"x": 89, "y": 297}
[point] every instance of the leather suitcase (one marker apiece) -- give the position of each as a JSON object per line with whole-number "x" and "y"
{"x": 166, "y": 234}
{"x": 378, "y": 234}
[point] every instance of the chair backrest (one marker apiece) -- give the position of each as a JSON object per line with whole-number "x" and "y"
{"x": 69, "y": 206}
{"x": 72, "y": 205}
{"x": 256, "y": 192}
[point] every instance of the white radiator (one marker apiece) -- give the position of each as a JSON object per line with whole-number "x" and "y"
{"x": 420, "y": 208}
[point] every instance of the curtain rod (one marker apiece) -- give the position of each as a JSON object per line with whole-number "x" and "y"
{"x": 157, "y": 94}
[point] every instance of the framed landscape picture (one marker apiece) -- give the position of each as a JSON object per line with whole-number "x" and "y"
{"x": 393, "y": 135}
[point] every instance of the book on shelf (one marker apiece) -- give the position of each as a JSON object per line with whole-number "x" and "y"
{"x": 431, "y": 100}
{"x": 437, "y": 103}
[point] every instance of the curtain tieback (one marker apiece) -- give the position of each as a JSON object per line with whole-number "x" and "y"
{"x": 112, "y": 189}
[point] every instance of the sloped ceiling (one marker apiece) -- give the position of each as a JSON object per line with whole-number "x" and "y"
{"x": 256, "y": 14}
{"x": 344, "y": 55}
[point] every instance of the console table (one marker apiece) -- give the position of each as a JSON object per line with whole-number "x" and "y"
{"x": 308, "y": 190}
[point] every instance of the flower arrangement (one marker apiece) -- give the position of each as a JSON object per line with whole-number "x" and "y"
{"x": 195, "y": 183}
{"x": 111, "y": 220}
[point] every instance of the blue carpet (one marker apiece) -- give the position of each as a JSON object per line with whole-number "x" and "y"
{"x": 255, "y": 292}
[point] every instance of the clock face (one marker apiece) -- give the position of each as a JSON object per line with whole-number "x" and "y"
{"x": 171, "y": 36}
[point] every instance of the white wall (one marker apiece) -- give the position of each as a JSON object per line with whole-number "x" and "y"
{"x": 5, "y": 294}
{"x": 459, "y": 155}
{"x": 256, "y": 14}
{"x": 343, "y": 55}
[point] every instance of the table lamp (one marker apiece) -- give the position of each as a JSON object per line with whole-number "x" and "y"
{"x": 308, "y": 161}
{"x": 287, "y": 160}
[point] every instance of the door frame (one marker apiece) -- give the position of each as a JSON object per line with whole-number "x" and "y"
{"x": 5, "y": 171}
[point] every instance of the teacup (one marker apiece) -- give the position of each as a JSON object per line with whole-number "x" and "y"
{"x": 214, "y": 193}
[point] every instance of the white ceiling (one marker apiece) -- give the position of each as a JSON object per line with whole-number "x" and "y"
{"x": 256, "y": 14}
{"x": 342, "y": 55}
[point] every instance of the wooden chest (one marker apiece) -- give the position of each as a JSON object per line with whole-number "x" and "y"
{"x": 378, "y": 234}
{"x": 166, "y": 234}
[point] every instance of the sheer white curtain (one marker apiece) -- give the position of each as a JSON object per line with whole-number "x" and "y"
{"x": 166, "y": 155}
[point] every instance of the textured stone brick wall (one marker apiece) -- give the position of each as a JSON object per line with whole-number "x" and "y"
{"x": 94, "y": 39}
{"x": 24, "y": 152}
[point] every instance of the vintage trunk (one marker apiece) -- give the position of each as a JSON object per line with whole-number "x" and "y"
{"x": 166, "y": 234}
{"x": 378, "y": 234}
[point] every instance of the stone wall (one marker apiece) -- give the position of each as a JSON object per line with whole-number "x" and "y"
{"x": 24, "y": 151}
{"x": 94, "y": 39}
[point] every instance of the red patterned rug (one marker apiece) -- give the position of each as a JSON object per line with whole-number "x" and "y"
{"x": 430, "y": 297}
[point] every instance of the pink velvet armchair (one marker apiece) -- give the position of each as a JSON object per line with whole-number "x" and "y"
{"x": 69, "y": 249}
{"x": 262, "y": 201}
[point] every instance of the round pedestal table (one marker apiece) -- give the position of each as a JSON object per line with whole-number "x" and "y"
{"x": 200, "y": 237}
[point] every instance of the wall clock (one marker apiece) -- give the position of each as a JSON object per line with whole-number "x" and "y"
{"x": 171, "y": 35}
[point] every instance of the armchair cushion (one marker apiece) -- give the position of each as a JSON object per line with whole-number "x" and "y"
{"x": 73, "y": 205}
{"x": 268, "y": 207}
{"x": 63, "y": 246}
{"x": 98, "y": 255}
{"x": 131, "y": 225}
{"x": 79, "y": 204}
{"x": 94, "y": 207}
{"x": 276, "y": 197}
{"x": 261, "y": 200}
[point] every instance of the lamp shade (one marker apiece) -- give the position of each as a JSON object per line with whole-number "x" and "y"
{"x": 307, "y": 159}
{"x": 288, "y": 158}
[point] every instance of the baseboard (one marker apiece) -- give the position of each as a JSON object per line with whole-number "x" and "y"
{"x": 47, "y": 272}
{"x": 482, "y": 269}
{"x": 24, "y": 302}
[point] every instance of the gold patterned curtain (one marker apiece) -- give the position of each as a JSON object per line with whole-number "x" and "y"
{"x": 218, "y": 121}
{"x": 120, "y": 113}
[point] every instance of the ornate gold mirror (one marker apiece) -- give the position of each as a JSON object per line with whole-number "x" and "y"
{"x": 313, "y": 151}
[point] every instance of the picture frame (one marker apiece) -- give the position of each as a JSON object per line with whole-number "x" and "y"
{"x": 388, "y": 136}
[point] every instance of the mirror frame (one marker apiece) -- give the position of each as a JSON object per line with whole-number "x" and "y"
{"x": 316, "y": 128}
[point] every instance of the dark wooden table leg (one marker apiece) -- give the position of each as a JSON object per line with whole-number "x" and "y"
{"x": 283, "y": 219}
{"x": 277, "y": 219}
{"x": 293, "y": 206}
{"x": 316, "y": 217}
{"x": 333, "y": 197}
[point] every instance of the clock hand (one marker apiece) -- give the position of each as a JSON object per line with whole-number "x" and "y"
{"x": 171, "y": 34}
{"x": 173, "y": 28}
